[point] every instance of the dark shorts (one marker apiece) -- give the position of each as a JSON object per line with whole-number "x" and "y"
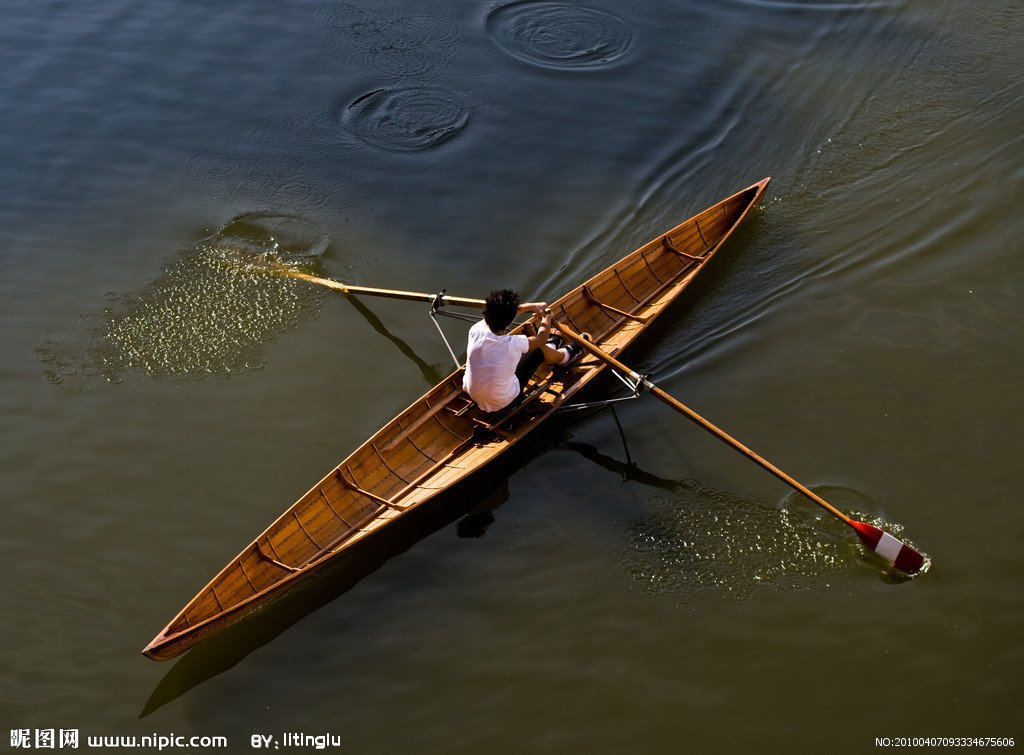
{"x": 528, "y": 365}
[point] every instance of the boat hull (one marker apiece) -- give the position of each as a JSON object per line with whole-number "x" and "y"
{"x": 442, "y": 439}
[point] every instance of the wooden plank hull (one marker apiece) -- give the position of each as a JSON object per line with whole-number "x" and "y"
{"x": 442, "y": 439}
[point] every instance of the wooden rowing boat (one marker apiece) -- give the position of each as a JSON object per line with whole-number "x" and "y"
{"x": 443, "y": 438}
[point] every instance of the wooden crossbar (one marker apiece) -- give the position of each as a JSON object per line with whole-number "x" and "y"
{"x": 667, "y": 242}
{"x": 589, "y": 295}
{"x": 361, "y": 491}
{"x": 267, "y": 557}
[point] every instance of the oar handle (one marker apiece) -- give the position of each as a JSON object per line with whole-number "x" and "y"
{"x": 390, "y": 293}
{"x": 694, "y": 417}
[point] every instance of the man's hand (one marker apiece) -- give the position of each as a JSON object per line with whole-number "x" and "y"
{"x": 538, "y": 308}
{"x": 543, "y": 314}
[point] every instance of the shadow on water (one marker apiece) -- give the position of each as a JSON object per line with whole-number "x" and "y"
{"x": 627, "y": 470}
{"x": 430, "y": 372}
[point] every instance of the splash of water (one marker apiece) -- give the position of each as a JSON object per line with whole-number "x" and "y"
{"x": 701, "y": 539}
{"x": 212, "y": 312}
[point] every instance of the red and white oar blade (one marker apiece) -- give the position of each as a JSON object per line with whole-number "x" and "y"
{"x": 903, "y": 557}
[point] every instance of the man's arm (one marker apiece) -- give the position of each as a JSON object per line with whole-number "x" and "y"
{"x": 544, "y": 329}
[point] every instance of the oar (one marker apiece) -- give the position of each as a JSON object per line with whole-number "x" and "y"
{"x": 345, "y": 288}
{"x": 903, "y": 556}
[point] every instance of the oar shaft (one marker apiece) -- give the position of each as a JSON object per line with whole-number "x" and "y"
{"x": 756, "y": 458}
{"x": 707, "y": 425}
{"x": 345, "y": 288}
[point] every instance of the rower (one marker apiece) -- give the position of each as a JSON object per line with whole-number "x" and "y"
{"x": 499, "y": 365}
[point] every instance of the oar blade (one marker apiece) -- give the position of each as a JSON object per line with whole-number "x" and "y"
{"x": 903, "y": 557}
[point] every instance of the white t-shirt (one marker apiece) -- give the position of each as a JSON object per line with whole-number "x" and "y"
{"x": 491, "y": 363}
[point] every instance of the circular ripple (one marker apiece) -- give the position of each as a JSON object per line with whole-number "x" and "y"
{"x": 557, "y": 35}
{"x": 405, "y": 119}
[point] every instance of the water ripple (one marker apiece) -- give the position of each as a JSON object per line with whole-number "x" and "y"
{"x": 558, "y": 35}
{"x": 405, "y": 118}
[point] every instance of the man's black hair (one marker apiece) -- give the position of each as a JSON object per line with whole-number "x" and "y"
{"x": 500, "y": 309}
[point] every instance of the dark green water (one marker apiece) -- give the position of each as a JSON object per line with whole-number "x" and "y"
{"x": 162, "y": 402}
